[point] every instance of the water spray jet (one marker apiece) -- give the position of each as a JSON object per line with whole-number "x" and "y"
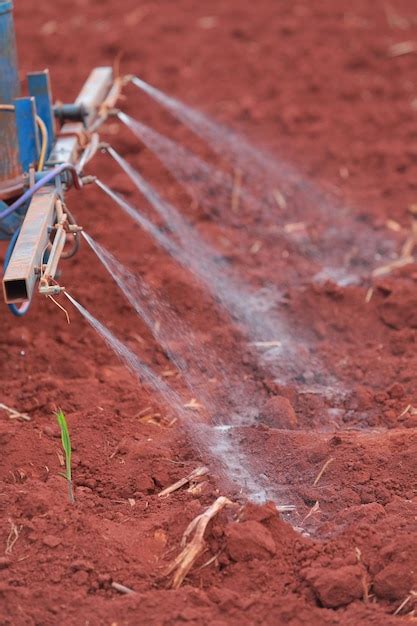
{"x": 142, "y": 371}
{"x": 244, "y": 305}
{"x": 264, "y": 172}
{"x": 233, "y": 464}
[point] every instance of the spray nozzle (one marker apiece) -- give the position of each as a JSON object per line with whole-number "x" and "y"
{"x": 104, "y": 146}
{"x": 88, "y": 180}
{"x": 48, "y": 289}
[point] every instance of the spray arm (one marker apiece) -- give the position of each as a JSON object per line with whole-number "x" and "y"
{"x": 47, "y": 223}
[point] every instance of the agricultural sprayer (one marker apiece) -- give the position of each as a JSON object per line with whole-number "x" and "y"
{"x": 43, "y": 152}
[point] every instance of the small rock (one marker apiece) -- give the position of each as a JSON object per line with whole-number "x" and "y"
{"x": 336, "y": 587}
{"x": 249, "y": 540}
{"x": 259, "y": 513}
{"x": 162, "y": 477}
{"x": 83, "y": 492}
{"x": 225, "y": 599}
{"x": 308, "y": 377}
{"x": 4, "y": 562}
{"x": 396, "y": 391}
{"x": 33, "y": 504}
{"x": 51, "y": 541}
{"x": 144, "y": 484}
{"x": 51, "y": 431}
{"x": 279, "y": 413}
{"x": 398, "y": 310}
{"x": 398, "y": 571}
{"x": 394, "y": 582}
{"x": 64, "y": 338}
{"x": 112, "y": 374}
{"x": 80, "y": 577}
{"x": 81, "y": 564}
{"x": 104, "y": 580}
{"x": 56, "y": 575}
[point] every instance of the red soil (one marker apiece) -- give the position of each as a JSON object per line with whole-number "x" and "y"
{"x": 312, "y": 82}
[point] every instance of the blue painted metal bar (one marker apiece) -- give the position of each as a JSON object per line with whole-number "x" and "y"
{"x": 40, "y": 89}
{"x": 9, "y": 90}
{"x": 27, "y": 132}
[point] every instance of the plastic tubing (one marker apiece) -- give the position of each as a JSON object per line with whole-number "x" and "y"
{"x": 44, "y": 134}
{"x": 41, "y": 183}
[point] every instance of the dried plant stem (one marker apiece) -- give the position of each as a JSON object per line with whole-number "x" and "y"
{"x": 192, "y": 550}
{"x": 12, "y": 537}
{"x": 122, "y": 588}
{"x": 323, "y": 469}
{"x": 194, "y": 477}
{"x": 397, "y": 264}
{"x": 13, "y": 414}
{"x": 402, "y": 605}
{"x": 314, "y": 509}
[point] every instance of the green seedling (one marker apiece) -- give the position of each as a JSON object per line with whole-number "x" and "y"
{"x": 66, "y": 444}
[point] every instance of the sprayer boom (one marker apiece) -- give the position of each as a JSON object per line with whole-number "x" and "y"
{"x": 43, "y": 151}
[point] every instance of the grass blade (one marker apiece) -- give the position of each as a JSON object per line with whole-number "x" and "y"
{"x": 66, "y": 445}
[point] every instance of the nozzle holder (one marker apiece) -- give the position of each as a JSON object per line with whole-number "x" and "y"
{"x": 71, "y": 113}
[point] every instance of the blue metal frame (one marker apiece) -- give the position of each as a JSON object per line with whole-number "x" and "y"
{"x": 27, "y": 132}
{"x": 34, "y": 210}
{"x": 9, "y": 90}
